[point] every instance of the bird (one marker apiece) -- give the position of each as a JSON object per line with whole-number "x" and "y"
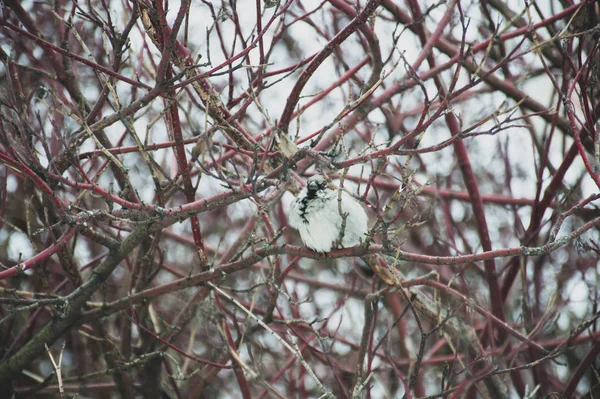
{"x": 318, "y": 216}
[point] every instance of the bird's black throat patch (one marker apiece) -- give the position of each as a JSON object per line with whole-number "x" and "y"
{"x": 310, "y": 195}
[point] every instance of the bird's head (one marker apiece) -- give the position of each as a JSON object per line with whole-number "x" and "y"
{"x": 316, "y": 183}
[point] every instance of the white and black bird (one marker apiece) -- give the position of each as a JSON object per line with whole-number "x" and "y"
{"x": 318, "y": 216}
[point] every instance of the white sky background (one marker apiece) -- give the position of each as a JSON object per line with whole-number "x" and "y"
{"x": 273, "y": 100}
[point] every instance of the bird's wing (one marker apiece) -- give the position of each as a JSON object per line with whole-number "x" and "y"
{"x": 356, "y": 222}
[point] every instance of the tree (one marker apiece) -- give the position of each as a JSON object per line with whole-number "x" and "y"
{"x": 149, "y": 152}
